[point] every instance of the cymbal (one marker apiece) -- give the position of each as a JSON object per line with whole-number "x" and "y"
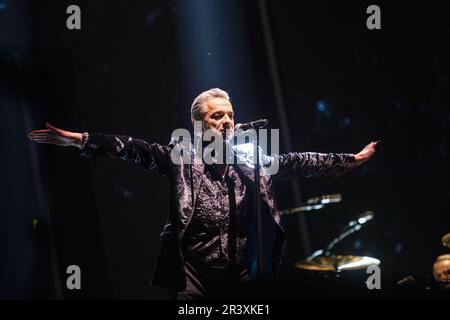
{"x": 315, "y": 203}
{"x": 336, "y": 263}
{"x": 446, "y": 240}
{"x": 327, "y": 198}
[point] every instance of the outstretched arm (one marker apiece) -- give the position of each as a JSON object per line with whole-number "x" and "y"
{"x": 312, "y": 164}
{"x": 150, "y": 156}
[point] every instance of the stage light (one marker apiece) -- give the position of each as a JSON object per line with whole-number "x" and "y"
{"x": 321, "y": 106}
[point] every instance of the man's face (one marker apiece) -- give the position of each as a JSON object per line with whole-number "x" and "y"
{"x": 219, "y": 115}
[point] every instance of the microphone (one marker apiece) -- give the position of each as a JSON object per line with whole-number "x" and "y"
{"x": 257, "y": 124}
{"x": 226, "y": 128}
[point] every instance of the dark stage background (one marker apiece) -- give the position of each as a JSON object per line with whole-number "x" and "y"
{"x": 134, "y": 68}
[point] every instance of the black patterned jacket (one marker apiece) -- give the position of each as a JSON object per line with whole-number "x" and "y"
{"x": 185, "y": 179}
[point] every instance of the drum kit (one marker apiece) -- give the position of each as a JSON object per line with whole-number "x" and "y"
{"x": 441, "y": 268}
{"x": 324, "y": 265}
{"x": 324, "y": 259}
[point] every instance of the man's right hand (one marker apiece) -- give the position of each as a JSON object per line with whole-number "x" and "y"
{"x": 56, "y": 136}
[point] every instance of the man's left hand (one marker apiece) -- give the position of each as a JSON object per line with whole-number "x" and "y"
{"x": 366, "y": 153}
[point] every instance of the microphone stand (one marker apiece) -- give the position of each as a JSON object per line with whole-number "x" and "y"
{"x": 255, "y": 125}
{"x": 257, "y": 197}
{"x": 351, "y": 228}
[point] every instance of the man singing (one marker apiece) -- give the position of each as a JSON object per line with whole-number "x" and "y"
{"x": 207, "y": 245}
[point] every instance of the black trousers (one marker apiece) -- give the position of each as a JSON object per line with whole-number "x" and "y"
{"x": 211, "y": 283}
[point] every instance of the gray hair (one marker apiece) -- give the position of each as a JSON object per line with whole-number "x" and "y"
{"x": 198, "y": 106}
